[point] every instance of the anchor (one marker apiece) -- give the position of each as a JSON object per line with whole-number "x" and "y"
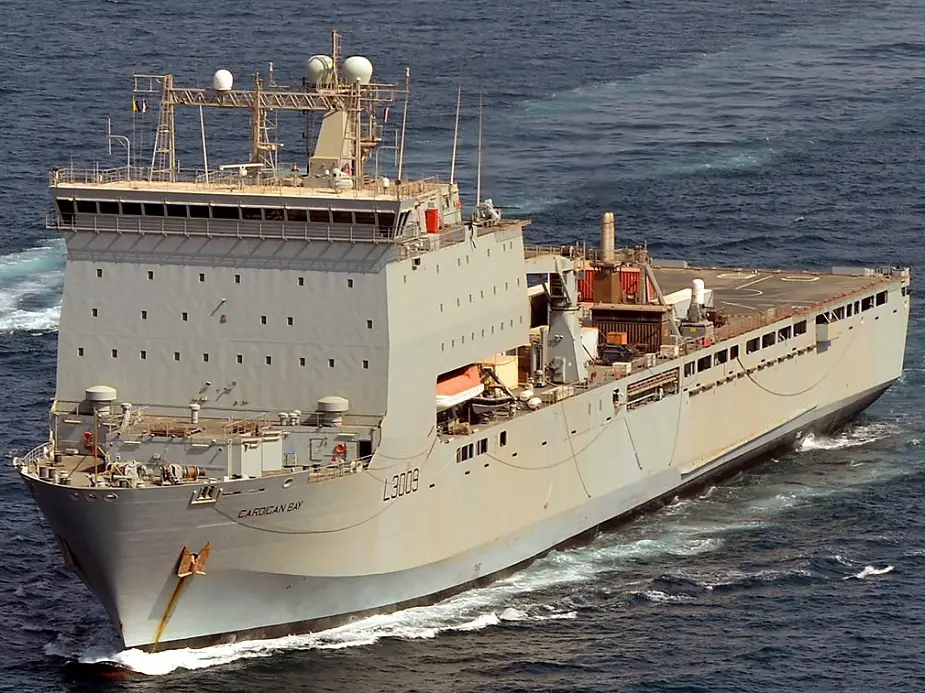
{"x": 190, "y": 564}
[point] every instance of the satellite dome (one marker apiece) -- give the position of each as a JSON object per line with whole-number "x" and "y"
{"x": 320, "y": 69}
{"x": 222, "y": 80}
{"x": 358, "y": 69}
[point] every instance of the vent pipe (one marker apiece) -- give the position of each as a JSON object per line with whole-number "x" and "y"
{"x": 608, "y": 237}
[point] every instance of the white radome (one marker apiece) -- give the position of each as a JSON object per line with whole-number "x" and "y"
{"x": 358, "y": 69}
{"x": 320, "y": 70}
{"x": 222, "y": 80}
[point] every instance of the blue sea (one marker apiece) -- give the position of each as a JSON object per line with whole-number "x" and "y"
{"x": 732, "y": 132}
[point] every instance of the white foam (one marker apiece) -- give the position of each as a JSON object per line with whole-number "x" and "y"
{"x": 868, "y": 571}
{"x": 849, "y": 438}
{"x": 37, "y": 276}
{"x": 665, "y": 598}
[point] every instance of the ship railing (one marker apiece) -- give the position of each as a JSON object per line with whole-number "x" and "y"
{"x": 594, "y": 255}
{"x": 426, "y": 242}
{"x": 165, "y": 226}
{"x": 30, "y": 461}
{"x": 200, "y": 179}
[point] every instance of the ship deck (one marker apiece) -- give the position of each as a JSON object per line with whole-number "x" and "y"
{"x": 756, "y": 291}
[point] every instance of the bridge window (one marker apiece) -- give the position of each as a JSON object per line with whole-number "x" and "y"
{"x": 365, "y": 218}
{"x": 225, "y": 213}
{"x": 867, "y": 303}
{"x": 299, "y": 215}
{"x": 131, "y": 208}
{"x": 752, "y": 345}
{"x": 799, "y": 328}
{"x": 768, "y": 340}
{"x": 881, "y": 298}
{"x": 176, "y": 210}
{"x": 703, "y": 363}
{"x": 251, "y": 213}
{"x": 66, "y": 207}
{"x": 86, "y": 207}
{"x": 342, "y": 217}
{"x": 199, "y": 211}
{"x": 109, "y": 207}
{"x": 319, "y": 216}
{"x": 153, "y": 209}
{"x": 273, "y": 214}
{"x": 784, "y": 333}
{"x": 386, "y": 221}
{"x": 839, "y": 313}
{"x": 720, "y": 357}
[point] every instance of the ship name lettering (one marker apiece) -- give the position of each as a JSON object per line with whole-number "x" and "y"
{"x": 271, "y": 509}
{"x": 402, "y": 484}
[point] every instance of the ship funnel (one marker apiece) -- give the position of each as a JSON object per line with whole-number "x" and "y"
{"x": 331, "y": 410}
{"x": 608, "y": 237}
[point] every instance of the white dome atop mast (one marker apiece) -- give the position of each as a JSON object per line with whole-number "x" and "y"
{"x": 320, "y": 70}
{"x": 222, "y": 80}
{"x": 358, "y": 69}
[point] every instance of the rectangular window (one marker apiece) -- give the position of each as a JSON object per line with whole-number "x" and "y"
{"x": 330, "y": 363}
{"x": 184, "y": 316}
{"x": 301, "y": 281}
{"x": 99, "y": 273}
{"x": 720, "y": 357}
{"x": 153, "y": 209}
{"x": 386, "y": 221}
{"x": 150, "y": 274}
{"x": 690, "y": 368}
{"x": 881, "y": 298}
{"x": 839, "y": 313}
{"x": 143, "y": 354}
{"x": 176, "y": 356}
{"x": 95, "y": 312}
{"x": 131, "y": 208}
{"x": 482, "y": 447}
{"x": 703, "y": 363}
{"x": 502, "y": 439}
{"x": 205, "y": 358}
{"x": 867, "y": 303}
{"x": 199, "y": 211}
{"x": 80, "y": 351}
{"x": 86, "y": 207}
{"x": 237, "y": 279}
{"x": 109, "y": 207}
{"x": 823, "y": 318}
{"x": 289, "y": 321}
{"x": 799, "y": 328}
{"x": 251, "y": 214}
{"x": 299, "y": 215}
{"x": 369, "y": 324}
{"x": 176, "y": 211}
{"x": 302, "y": 361}
{"x": 273, "y": 214}
{"x": 342, "y": 217}
{"x": 202, "y": 276}
{"x": 768, "y": 340}
{"x": 734, "y": 352}
{"x": 319, "y": 216}
{"x": 240, "y": 358}
{"x": 784, "y": 333}
{"x": 349, "y": 283}
{"x": 850, "y": 307}
{"x": 115, "y": 353}
{"x": 269, "y": 360}
{"x": 365, "y": 364}
{"x": 219, "y": 212}
{"x": 144, "y": 315}
{"x": 66, "y": 207}
{"x": 365, "y": 218}
{"x": 752, "y": 345}
{"x": 263, "y": 319}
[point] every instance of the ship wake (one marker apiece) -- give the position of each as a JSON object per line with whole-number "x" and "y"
{"x": 30, "y": 288}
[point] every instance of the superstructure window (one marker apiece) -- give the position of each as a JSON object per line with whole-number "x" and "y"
{"x": 205, "y": 358}
{"x": 131, "y": 208}
{"x": 386, "y": 221}
{"x": 99, "y": 273}
{"x": 481, "y": 446}
{"x": 768, "y": 340}
{"x": 319, "y": 216}
{"x": 86, "y": 206}
{"x": 176, "y": 211}
{"x": 269, "y": 360}
{"x": 299, "y": 215}
{"x": 176, "y": 356}
{"x": 839, "y": 313}
{"x": 80, "y": 351}
{"x": 690, "y": 368}
{"x": 273, "y": 214}
{"x": 153, "y": 209}
{"x": 881, "y": 298}
{"x": 144, "y": 315}
{"x": 784, "y": 333}
{"x": 365, "y": 364}
{"x": 115, "y": 353}
{"x": 150, "y": 274}
{"x": 720, "y": 357}
{"x": 143, "y": 354}
{"x": 734, "y": 352}
{"x": 199, "y": 211}
{"x": 502, "y": 439}
{"x": 365, "y": 217}
{"x": 240, "y": 358}
{"x": 752, "y": 345}
{"x": 66, "y": 207}
{"x": 251, "y": 214}
{"x": 109, "y": 207}
{"x": 342, "y": 217}
{"x": 237, "y": 279}
{"x": 302, "y": 361}
{"x": 225, "y": 213}
{"x": 703, "y": 363}
{"x": 799, "y": 328}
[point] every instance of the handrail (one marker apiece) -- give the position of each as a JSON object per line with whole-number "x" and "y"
{"x": 30, "y": 460}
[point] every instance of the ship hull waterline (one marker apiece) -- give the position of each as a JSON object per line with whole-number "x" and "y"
{"x": 790, "y": 433}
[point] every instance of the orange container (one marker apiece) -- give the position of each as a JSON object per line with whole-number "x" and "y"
{"x": 432, "y": 219}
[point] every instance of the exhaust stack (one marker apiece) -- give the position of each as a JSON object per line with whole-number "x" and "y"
{"x": 608, "y": 237}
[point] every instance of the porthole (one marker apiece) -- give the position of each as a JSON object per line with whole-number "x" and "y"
{"x": 287, "y": 483}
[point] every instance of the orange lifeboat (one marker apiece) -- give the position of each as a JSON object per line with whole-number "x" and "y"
{"x": 458, "y": 386}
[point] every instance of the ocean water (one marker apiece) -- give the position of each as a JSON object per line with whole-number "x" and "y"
{"x": 720, "y": 131}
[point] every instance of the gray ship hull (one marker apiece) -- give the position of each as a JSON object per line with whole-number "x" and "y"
{"x": 132, "y": 571}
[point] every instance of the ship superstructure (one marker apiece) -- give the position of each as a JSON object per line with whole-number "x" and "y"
{"x": 288, "y": 396}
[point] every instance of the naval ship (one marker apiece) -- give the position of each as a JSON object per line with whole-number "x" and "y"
{"x": 292, "y": 395}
